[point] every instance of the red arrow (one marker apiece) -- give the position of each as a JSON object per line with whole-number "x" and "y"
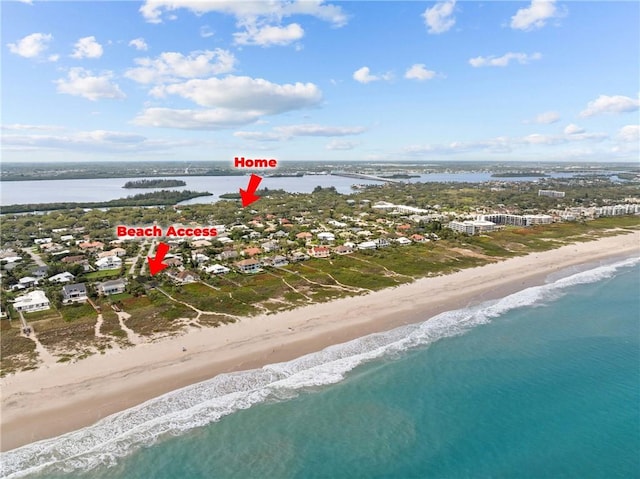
{"x": 248, "y": 195}
{"x": 155, "y": 264}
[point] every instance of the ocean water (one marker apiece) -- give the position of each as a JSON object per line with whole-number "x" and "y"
{"x": 544, "y": 383}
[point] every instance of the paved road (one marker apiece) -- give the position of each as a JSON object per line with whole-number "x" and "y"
{"x": 35, "y": 256}
{"x": 135, "y": 260}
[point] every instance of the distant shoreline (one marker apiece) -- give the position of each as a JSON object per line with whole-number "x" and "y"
{"x": 63, "y": 397}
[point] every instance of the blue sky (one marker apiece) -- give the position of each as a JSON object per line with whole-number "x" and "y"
{"x": 320, "y": 80}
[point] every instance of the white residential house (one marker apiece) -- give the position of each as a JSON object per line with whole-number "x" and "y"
{"x": 64, "y": 277}
{"x": 74, "y": 293}
{"x": 382, "y": 242}
{"x": 115, "y": 286}
{"x": 110, "y": 262}
{"x": 403, "y": 241}
{"x": 367, "y": 245}
{"x": 215, "y": 269}
{"x": 28, "y": 281}
{"x": 199, "y": 258}
{"x": 33, "y": 301}
{"x": 278, "y": 261}
{"x": 270, "y": 246}
{"x": 327, "y": 236}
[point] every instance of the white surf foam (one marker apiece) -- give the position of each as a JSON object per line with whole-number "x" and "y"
{"x": 200, "y": 404}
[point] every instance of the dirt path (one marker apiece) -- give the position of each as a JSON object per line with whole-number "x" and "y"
{"x": 98, "y": 325}
{"x": 132, "y": 336}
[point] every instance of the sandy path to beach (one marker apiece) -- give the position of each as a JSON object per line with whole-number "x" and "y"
{"x": 59, "y": 398}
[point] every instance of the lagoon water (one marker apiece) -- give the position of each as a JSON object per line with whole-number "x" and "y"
{"x": 105, "y": 189}
{"x": 543, "y": 383}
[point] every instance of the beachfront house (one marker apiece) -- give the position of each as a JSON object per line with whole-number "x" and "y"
{"x": 319, "y": 252}
{"x": 215, "y": 269}
{"x": 382, "y": 243}
{"x": 115, "y": 286}
{"x": 248, "y": 266}
{"x": 343, "y": 249}
{"x": 184, "y": 277}
{"x": 33, "y": 301}
{"x": 74, "y": 293}
{"x": 367, "y": 245}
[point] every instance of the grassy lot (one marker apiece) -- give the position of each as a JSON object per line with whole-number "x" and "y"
{"x": 76, "y": 311}
{"x": 17, "y": 353}
{"x": 154, "y": 313}
{"x": 40, "y": 315}
{"x": 102, "y": 275}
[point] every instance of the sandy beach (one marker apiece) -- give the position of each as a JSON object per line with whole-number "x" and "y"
{"x": 63, "y": 397}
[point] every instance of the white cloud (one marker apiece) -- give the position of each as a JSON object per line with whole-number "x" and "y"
{"x": 206, "y": 32}
{"x": 363, "y": 75}
{"x": 572, "y": 129}
{"x": 172, "y": 66}
{"x": 291, "y": 131}
{"x": 269, "y": 35}
{"x": 249, "y": 10}
{"x": 546, "y": 118}
{"x": 81, "y": 82}
{"x": 535, "y": 15}
{"x": 53, "y": 58}
{"x": 87, "y": 47}
{"x": 245, "y": 94}
{"x": 211, "y": 119}
{"x": 503, "y": 144}
{"x": 93, "y": 141}
{"x": 340, "y": 145}
{"x": 439, "y": 18}
{"x": 610, "y": 104}
{"x": 629, "y": 134}
{"x": 419, "y": 72}
{"x": 504, "y": 60}
{"x": 31, "y": 46}
{"x": 22, "y": 127}
{"x": 139, "y": 44}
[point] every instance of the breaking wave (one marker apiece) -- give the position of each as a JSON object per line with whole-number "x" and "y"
{"x": 200, "y": 404}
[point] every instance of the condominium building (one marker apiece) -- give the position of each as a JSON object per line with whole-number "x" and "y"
{"x": 551, "y": 193}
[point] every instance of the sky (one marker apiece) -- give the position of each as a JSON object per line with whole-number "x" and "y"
{"x": 199, "y": 80}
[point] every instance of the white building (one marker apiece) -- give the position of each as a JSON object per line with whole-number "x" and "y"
{"x": 517, "y": 220}
{"x": 110, "y": 262}
{"x": 33, "y": 301}
{"x": 63, "y": 277}
{"x": 215, "y": 269}
{"x": 551, "y": 193}
{"x": 472, "y": 227}
{"x": 326, "y": 236}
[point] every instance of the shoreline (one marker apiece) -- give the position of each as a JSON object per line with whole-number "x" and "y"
{"x": 61, "y": 398}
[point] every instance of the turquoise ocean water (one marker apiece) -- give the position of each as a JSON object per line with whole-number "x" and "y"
{"x": 544, "y": 383}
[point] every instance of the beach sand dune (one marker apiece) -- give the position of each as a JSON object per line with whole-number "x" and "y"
{"x": 59, "y": 398}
